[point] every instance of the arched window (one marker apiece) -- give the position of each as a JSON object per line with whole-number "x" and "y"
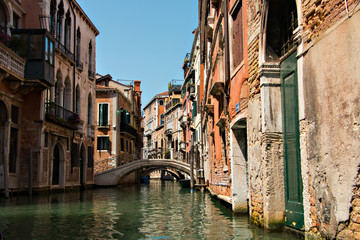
{"x": 77, "y": 110}
{"x": 282, "y": 22}
{"x": 90, "y": 109}
{"x": 59, "y": 21}
{"x": 90, "y": 56}
{"x": 3, "y": 18}
{"x": 67, "y": 94}
{"x": 78, "y": 44}
{"x": 57, "y": 88}
{"x": 52, "y": 16}
{"x": 67, "y": 30}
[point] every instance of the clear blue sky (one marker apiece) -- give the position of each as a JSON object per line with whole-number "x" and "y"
{"x": 143, "y": 40}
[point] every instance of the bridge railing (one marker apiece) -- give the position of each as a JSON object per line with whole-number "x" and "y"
{"x": 161, "y": 153}
{"x": 113, "y": 162}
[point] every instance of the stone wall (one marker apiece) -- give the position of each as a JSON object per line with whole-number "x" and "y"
{"x": 254, "y": 161}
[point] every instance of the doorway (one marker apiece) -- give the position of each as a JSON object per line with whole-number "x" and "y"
{"x": 56, "y": 166}
{"x": 3, "y": 120}
{"x": 82, "y": 164}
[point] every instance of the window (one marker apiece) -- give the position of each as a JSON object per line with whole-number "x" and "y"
{"x": 162, "y": 119}
{"x": 52, "y": 16}
{"x": 194, "y": 111}
{"x": 67, "y": 30}
{"x": 237, "y": 35}
{"x": 161, "y": 102}
{"x": 77, "y": 98}
{"x": 59, "y": 19}
{"x": 122, "y": 145}
{"x": 14, "y": 114}
{"x": 90, "y": 157}
{"x": 3, "y": 18}
{"x": 89, "y": 109}
{"x": 90, "y": 57}
{"x": 103, "y": 114}
{"x": 78, "y": 42}
{"x": 46, "y": 139}
{"x": 103, "y": 143}
{"x": 16, "y": 21}
{"x": 13, "y": 150}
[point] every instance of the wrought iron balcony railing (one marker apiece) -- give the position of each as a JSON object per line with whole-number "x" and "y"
{"x": 64, "y": 50}
{"x": 172, "y": 103}
{"x": 61, "y": 116}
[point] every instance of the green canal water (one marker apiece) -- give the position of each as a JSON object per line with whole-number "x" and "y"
{"x": 157, "y": 210}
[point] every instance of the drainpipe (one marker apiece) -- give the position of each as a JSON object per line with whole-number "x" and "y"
{"x": 227, "y": 58}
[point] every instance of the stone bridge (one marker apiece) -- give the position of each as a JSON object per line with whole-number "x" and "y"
{"x": 112, "y": 176}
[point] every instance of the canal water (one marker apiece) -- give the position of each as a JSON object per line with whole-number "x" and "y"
{"x": 157, "y": 210}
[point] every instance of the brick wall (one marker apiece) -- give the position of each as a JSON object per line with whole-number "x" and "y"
{"x": 320, "y": 15}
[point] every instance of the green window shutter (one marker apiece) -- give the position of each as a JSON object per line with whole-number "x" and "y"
{"x": 194, "y": 110}
{"x": 100, "y": 116}
{"x": 98, "y": 143}
{"x": 107, "y": 143}
{"x": 105, "y": 114}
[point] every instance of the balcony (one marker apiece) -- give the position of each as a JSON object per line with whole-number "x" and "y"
{"x": 183, "y": 121}
{"x": 37, "y": 47}
{"x": 175, "y": 86}
{"x": 61, "y": 116}
{"x": 64, "y": 50}
{"x": 172, "y": 103}
{"x": 91, "y": 74}
{"x": 11, "y": 62}
{"x": 128, "y": 129}
{"x": 217, "y": 88}
{"x": 168, "y": 132}
{"x": 79, "y": 65}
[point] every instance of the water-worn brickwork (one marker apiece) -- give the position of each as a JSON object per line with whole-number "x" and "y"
{"x": 320, "y": 15}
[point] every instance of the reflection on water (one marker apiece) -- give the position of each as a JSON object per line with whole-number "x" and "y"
{"x": 158, "y": 210}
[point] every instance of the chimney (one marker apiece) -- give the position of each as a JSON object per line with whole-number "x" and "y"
{"x": 137, "y": 85}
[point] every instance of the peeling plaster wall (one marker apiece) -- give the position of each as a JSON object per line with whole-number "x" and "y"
{"x": 331, "y": 82}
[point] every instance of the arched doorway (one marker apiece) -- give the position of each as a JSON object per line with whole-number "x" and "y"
{"x": 3, "y": 168}
{"x": 281, "y": 47}
{"x": 56, "y": 166}
{"x": 82, "y": 165}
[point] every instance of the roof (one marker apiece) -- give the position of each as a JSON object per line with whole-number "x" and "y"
{"x": 159, "y": 95}
{"x": 85, "y": 17}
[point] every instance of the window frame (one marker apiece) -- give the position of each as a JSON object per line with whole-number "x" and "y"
{"x": 108, "y": 115}
{"x": 98, "y": 143}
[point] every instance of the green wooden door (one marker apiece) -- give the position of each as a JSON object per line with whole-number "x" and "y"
{"x": 294, "y": 211}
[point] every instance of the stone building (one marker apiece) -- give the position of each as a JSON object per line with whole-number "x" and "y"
{"x": 52, "y": 124}
{"x": 173, "y": 110}
{"x": 118, "y": 123}
{"x": 154, "y": 120}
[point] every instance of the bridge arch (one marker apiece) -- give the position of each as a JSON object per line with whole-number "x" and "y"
{"x": 113, "y": 176}
{"x": 152, "y": 169}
